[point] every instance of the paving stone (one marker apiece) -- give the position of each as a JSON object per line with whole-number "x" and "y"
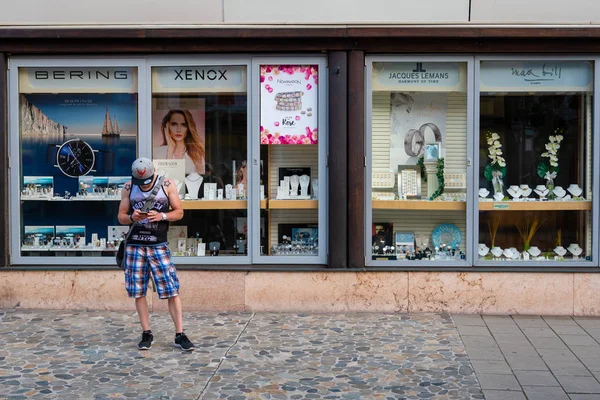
{"x": 481, "y": 353}
{"x": 491, "y": 319}
{"x": 569, "y": 330}
{"x": 530, "y": 321}
{"x": 536, "y": 378}
{"x": 503, "y": 395}
{"x": 545, "y": 393}
{"x": 578, "y": 340}
{"x": 479, "y": 341}
{"x": 491, "y": 367}
{"x": 568, "y": 368}
{"x": 519, "y": 350}
{"x": 467, "y": 320}
{"x": 498, "y": 382}
{"x": 557, "y": 355}
{"x": 573, "y": 396}
{"x": 539, "y": 332}
{"x": 548, "y": 343}
{"x": 505, "y": 330}
{"x": 518, "y": 363}
{"x": 593, "y": 332}
{"x": 511, "y": 339}
{"x": 579, "y": 384}
{"x": 588, "y": 322}
{"x": 475, "y": 331}
{"x": 560, "y": 321}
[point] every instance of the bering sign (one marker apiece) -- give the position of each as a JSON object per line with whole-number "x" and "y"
{"x": 77, "y": 80}
{"x": 79, "y": 74}
{"x": 198, "y": 79}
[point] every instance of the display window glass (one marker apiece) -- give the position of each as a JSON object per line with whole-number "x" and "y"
{"x": 75, "y": 135}
{"x": 535, "y": 163}
{"x": 417, "y": 151}
{"x": 199, "y": 125}
{"x": 291, "y": 170}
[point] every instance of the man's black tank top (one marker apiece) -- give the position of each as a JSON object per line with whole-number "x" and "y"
{"x": 147, "y": 233}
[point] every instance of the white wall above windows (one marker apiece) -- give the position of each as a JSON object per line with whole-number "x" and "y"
{"x": 110, "y": 12}
{"x": 331, "y": 12}
{"x": 537, "y": 12}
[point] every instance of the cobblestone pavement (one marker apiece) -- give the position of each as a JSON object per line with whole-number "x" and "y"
{"x": 92, "y": 355}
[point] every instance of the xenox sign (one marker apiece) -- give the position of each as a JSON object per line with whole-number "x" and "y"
{"x": 199, "y": 78}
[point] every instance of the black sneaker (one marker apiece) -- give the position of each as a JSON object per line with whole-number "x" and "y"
{"x": 183, "y": 343}
{"x": 146, "y": 343}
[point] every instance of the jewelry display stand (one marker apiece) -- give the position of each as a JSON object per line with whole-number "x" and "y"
{"x": 304, "y": 182}
{"x": 193, "y": 182}
{"x": 294, "y": 183}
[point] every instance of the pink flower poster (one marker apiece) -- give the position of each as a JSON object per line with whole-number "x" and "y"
{"x": 288, "y": 104}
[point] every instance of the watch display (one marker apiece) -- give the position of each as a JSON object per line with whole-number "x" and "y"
{"x": 75, "y": 158}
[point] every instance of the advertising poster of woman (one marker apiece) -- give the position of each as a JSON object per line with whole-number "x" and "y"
{"x": 180, "y": 134}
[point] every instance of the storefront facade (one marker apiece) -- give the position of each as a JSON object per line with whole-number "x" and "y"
{"x": 322, "y": 168}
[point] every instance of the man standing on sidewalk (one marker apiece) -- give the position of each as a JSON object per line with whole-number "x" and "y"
{"x": 147, "y": 248}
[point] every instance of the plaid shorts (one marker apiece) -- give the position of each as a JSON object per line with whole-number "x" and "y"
{"x": 140, "y": 260}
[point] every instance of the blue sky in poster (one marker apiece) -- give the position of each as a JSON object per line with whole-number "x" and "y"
{"x": 83, "y": 114}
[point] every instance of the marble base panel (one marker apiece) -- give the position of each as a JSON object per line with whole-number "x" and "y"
{"x": 457, "y": 292}
{"x": 587, "y": 294}
{"x": 491, "y": 293}
{"x": 327, "y": 291}
{"x": 94, "y": 290}
{"x": 208, "y": 291}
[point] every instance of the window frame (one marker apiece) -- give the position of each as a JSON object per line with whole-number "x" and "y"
{"x": 595, "y": 164}
{"x": 323, "y": 151}
{"x": 206, "y": 61}
{"x": 368, "y": 217}
{"x": 14, "y": 142}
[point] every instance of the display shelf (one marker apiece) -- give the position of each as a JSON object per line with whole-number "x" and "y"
{"x": 582, "y": 205}
{"x": 419, "y": 205}
{"x": 293, "y": 204}
{"x": 218, "y": 204}
{"x": 71, "y": 199}
{"x": 47, "y": 249}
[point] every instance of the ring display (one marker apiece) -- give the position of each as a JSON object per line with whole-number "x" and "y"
{"x": 415, "y": 139}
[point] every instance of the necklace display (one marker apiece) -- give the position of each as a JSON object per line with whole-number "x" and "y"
{"x": 192, "y": 183}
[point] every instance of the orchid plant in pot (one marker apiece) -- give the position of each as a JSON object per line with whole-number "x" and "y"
{"x": 548, "y": 167}
{"x": 495, "y": 170}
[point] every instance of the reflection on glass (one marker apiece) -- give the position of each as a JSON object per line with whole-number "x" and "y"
{"x": 289, "y": 175}
{"x": 199, "y": 139}
{"x": 77, "y": 144}
{"x": 418, "y": 155}
{"x": 535, "y": 160}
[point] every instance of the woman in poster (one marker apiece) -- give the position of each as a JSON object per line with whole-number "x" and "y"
{"x": 181, "y": 141}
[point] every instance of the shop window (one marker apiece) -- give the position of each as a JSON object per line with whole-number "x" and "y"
{"x": 417, "y": 113}
{"x": 293, "y": 180}
{"x": 200, "y": 140}
{"x": 535, "y": 162}
{"x": 74, "y": 135}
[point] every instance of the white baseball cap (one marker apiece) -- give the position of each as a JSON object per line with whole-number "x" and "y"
{"x": 142, "y": 171}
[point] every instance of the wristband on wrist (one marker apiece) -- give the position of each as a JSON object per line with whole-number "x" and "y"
{"x": 131, "y": 217}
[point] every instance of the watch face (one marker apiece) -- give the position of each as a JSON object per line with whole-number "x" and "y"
{"x": 75, "y": 158}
